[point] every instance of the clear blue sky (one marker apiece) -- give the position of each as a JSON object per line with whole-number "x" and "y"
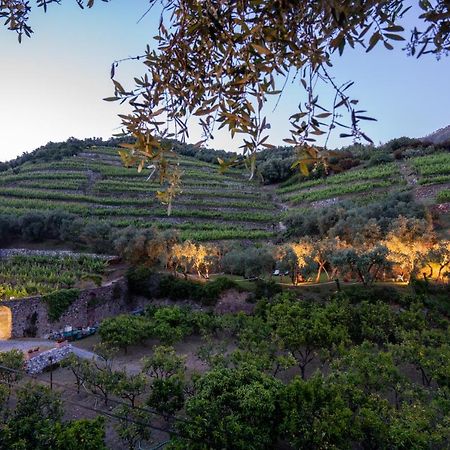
{"x": 52, "y": 85}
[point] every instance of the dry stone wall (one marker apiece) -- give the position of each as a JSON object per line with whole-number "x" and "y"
{"x": 30, "y": 315}
{"x": 39, "y": 363}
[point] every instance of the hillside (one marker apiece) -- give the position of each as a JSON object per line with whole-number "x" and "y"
{"x": 93, "y": 184}
{"x": 439, "y": 136}
{"x": 421, "y": 172}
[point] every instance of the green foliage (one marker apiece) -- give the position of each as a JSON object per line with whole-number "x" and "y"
{"x": 132, "y": 428}
{"x": 305, "y": 328}
{"x": 374, "y": 322}
{"x": 170, "y": 324}
{"x": 140, "y": 280}
{"x": 249, "y": 262}
{"x": 357, "y": 294}
{"x": 130, "y": 387}
{"x": 267, "y": 289}
{"x": 13, "y": 360}
{"x": 443, "y": 196}
{"x": 36, "y": 423}
{"x": 167, "y": 395}
{"x": 315, "y": 415}
{"x": 124, "y": 330}
{"x": 31, "y": 423}
{"x": 365, "y": 264}
{"x": 83, "y": 434}
{"x": 58, "y": 302}
{"x": 338, "y": 190}
{"x": 22, "y": 276}
{"x": 381, "y": 171}
{"x": 347, "y": 219}
{"x": 206, "y": 293}
{"x": 232, "y": 409}
{"x": 166, "y": 370}
{"x": 436, "y": 164}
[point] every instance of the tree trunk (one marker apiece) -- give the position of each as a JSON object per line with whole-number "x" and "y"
{"x": 303, "y": 371}
{"x": 318, "y": 273}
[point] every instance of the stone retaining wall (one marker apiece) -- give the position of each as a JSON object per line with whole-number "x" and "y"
{"x": 39, "y": 363}
{"x": 10, "y": 252}
{"x": 30, "y": 315}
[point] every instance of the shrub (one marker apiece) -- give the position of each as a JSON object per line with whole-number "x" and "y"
{"x": 266, "y": 289}
{"x": 6, "y": 228}
{"x": 54, "y": 223}
{"x": 213, "y": 289}
{"x": 171, "y": 324}
{"x": 125, "y": 330}
{"x": 33, "y": 227}
{"x": 386, "y": 294}
{"x": 58, "y": 302}
{"x": 142, "y": 281}
{"x": 434, "y": 296}
{"x": 97, "y": 236}
{"x": 179, "y": 289}
{"x": 207, "y": 293}
{"x": 382, "y": 158}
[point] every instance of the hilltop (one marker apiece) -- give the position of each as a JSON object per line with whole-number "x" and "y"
{"x": 439, "y": 136}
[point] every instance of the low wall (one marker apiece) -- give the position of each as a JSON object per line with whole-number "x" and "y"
{"x": 30, "y": 315}
{"x": 39, "y": 363}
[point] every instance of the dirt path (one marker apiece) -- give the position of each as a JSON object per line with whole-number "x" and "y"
{"x": 408, "y": 174}
{"x": 281, "y": 206}
{"x": 92, "y": 178}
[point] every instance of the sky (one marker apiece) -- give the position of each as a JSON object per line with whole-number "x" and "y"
{"x": 52, "y": 85}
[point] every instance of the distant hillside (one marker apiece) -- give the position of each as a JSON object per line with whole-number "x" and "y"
{"x": 88, "y": 180}
{"x": 94, "y": 185}
{"x": 439, "y": 136}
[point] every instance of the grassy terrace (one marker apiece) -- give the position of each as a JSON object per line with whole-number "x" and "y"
{"x": 372, "y": 173}
{"x": 443, "y": 196}
{"x": 212, "y": 206}
{"x": 435, "y": 166}
{"x": 440, "y": 179}
{"x": 337, "y": 191}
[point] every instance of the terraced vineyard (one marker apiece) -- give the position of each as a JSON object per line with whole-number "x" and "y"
{"x": 94, "y": 185}
{"x": 367, "y": 184}
{"x": 433, "y": 169}
{"x": 23, "y": 276}
{"x": 358, "y": 182}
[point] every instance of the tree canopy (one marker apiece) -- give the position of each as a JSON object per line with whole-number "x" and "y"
{"x": 220, "y": 61}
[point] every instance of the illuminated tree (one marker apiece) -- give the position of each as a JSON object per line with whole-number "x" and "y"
{"x": 365, "y": 264}
{"x": 287, "y": 261}
{"x": 439, "y": 254}
{"x": 408, "y": 242}
{"x": 192, "y": 257}
{"x": 303, "y": 251}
